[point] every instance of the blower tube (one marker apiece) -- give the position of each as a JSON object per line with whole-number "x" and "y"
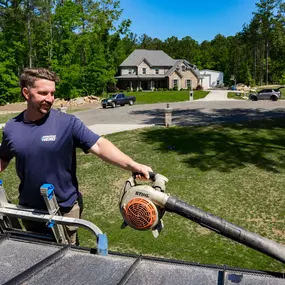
{"x": 219, "y": 225}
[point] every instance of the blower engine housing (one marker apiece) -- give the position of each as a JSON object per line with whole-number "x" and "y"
{"x": 142, "y": 206}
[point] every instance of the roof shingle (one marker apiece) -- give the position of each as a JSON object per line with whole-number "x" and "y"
{"x": 153, "y": 57}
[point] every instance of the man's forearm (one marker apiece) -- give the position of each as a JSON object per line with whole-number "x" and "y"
{"x": 110, "y": 153}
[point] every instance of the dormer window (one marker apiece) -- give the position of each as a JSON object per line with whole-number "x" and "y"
{"x": 130, "y": 71}
{"x": 144, "y": 70}
{"x": 156, "y": 71}
{"x": 183, "y": 68}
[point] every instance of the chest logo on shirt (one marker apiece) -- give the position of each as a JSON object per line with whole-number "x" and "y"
{"x": 50, "y": 138}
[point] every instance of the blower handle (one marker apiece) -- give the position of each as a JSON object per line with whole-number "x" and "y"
{"x": 151, "y": 175}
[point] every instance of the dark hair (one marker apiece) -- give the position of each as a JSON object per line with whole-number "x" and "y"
{"x": 30, "y": 75}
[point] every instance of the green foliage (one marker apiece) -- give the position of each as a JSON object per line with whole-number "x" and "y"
{"x": 85, "y": 42}
{"x": 9, "y": 85}
{"x": 76, "y": 39}
{"x": 282, "y": 79}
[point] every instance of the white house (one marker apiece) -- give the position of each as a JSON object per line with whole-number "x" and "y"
{"x": 211, "y": 78}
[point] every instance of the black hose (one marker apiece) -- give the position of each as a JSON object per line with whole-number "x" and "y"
{"x": 221, "y": 226}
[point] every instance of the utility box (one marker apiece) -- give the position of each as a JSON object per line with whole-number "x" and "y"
{"x": 191, "y": 95}
{"x": 168, "y": 116}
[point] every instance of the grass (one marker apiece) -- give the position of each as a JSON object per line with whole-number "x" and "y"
{"x": 165, "y": 96}
{"x": 235, "y": 95}
{"x": 6, "y": 117}
{"x": 236, "y": 172}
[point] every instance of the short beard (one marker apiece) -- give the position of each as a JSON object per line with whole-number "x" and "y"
{"x": 46, "y": 108}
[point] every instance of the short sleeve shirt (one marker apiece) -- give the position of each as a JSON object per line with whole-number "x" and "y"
{"x": 45, "y": 152}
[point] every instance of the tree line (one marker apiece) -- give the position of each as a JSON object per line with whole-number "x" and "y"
{"x": 85, "y": 41}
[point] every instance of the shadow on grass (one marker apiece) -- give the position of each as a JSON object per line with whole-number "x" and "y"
{"x": 225, "y": 148}
{"x": 201, "y": 116}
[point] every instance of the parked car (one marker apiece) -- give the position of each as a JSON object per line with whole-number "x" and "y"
{"x": 266, "y": 94}
{"x": 118, "y": 99}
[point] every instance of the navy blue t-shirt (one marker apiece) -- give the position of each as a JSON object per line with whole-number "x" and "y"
{"x": 45, "y": 152}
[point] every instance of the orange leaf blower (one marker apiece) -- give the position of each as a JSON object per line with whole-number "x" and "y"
{"x": 143, "y": 206}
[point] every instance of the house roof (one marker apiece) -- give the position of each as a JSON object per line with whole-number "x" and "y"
{"x": 153, "y": 57}
{"x": 24, "y": 261}
{"x": 203, "y": 70}
{"x": 188, "y": 65}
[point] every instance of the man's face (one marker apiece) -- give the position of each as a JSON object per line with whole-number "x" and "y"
{"x": 40, "y": 97}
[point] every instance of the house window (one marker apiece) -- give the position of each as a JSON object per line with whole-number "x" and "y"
{"x": 218, "y": 82}
{"x": 130, "y": 71}
{"x": 175, "y": 83}
{"x": 183, "y": 68}
{"x": 144, "y": 70}
{"x": 188, "y": 84}
{"x": 156, "y": 71}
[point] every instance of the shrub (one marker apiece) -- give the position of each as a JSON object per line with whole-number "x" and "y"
{"x": 112, "y": 89}
{"x": 140, "y": 90}
{"x": 199, "y": 87}
{"x": 165, "y": 89}
{"x": 175, "y": 88}
{"x": 181, "y": 89}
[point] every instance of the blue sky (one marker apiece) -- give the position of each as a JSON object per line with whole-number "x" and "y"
{"x": 199, "y": 19}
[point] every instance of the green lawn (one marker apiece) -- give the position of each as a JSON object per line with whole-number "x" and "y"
{"x": 234, "y": 95}
{"x": 165, "y": 96}
{"x": 6, "y": 117}
{"x": 236, "y": 172}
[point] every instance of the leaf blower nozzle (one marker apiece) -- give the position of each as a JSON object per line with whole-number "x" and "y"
{"x": 143, "y": 206}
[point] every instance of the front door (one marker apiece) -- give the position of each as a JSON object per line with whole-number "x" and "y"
{"x": 144, "y": 85}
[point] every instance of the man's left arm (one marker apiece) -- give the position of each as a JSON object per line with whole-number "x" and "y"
{"x": 5, "y": 153}
{"x": 108, "y": 152}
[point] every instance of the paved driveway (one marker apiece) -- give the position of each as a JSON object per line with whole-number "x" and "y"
{"x": 185, "y": 113}
{"x": 217, "y": 95}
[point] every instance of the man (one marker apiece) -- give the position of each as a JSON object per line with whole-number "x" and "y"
{"x": 44, "y": 143}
